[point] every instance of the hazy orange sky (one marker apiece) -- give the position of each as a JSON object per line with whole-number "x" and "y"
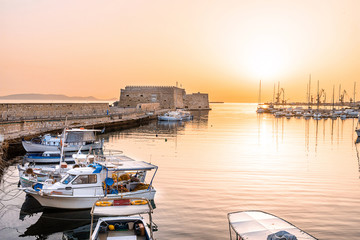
{"x": 83, "y": 48}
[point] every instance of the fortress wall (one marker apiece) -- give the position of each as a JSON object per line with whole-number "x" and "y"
{"x": 167, "y": 97}
{"x": 196, "y": 101}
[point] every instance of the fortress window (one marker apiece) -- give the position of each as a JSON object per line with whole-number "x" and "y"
{"x": 127, "y": 95}
{"x": 141, "y": 95}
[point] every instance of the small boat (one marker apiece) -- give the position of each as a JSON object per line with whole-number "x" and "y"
{"x": 260, "y": 109}
{"x": 123, "y": 219}
{"x": 289, "y": 114}
{"x": 82, "y": 186}
{"x": 343, "y": 116}
{"x": 185, "y": 115}
{"x": 258, "y": 225}
{"x": 317, "y": 116}
{"x": 279, "y": 114}
{"x": 74, "y": 139}
{"x": 170, "y": 116}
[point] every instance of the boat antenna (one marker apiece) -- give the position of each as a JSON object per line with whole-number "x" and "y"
{"x": 62, "y": 143}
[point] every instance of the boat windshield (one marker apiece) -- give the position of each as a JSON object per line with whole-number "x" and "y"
{"x": 73, "y": 137}
{"x": 68, "y": 178}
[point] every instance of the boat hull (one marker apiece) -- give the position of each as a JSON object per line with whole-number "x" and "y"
{"x": 47, "y": 160}
{"x": 357, "y": 132}
{"x": 83, "y": 202}
{"x": 167, "y": 118}
{"x": 37, "y": 147}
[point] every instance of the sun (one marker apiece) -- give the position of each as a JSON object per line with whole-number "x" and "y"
{"x": 266, "y": 58}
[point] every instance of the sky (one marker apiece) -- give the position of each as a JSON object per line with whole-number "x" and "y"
{"x": 223, "y": 48}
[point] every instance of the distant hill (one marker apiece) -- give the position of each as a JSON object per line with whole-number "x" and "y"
{"x": 35, "y": 96}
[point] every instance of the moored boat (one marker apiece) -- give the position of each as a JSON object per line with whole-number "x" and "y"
{"x": 82, "y": 186}
{"x": 258, "y": 225}
{"x": 170, "y": 116}
{"x": 73, "y": 140}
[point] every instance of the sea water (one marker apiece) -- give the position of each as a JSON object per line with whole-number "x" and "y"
{"x": 225, "y": 160}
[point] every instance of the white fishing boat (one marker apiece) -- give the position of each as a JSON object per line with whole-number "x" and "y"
{"x": 258, "y": 225}
{"x": 82, "y": 186}
{"x": 170, "y": 116}
{"x": 123, "y": 219}
{"x": 74, "y": 139}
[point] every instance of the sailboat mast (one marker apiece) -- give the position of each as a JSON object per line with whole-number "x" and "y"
{"x": 259, "y": 93}
{"x": 274, "y": 94}
{"x": 354, "y": 93}
{"x": 333, "y": 98}
{"x": 309, "y": 90}
{"x": 318, "y": 97}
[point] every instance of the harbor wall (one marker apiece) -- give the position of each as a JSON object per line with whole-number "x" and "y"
{"x": 30, "y": 111}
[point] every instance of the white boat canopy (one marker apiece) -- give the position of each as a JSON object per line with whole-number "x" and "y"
{"x": 128, "y": 166}
{"x": 258, "y": 225}
{"x": 122, "y": 210}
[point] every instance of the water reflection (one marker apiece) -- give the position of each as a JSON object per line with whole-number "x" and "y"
{"x": 53, "y": 221}
{"x": 232, "y": 159}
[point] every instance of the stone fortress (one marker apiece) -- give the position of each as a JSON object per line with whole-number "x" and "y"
{"x": 162, "y": 97}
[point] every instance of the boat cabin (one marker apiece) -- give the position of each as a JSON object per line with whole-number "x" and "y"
{"x": 103, "y": 179}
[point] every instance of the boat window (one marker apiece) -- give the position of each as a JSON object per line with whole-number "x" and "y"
{"x": 85, "y": 179}
{"x": 68, "y": 179}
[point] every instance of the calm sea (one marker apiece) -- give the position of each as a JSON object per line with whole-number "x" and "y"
{"x": 225, "y": 160}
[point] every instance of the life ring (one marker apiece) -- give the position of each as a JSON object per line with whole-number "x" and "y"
{"x": 29, "y": 171}
{"x": 103, "y": 203}
{"x": 139, "y": 202}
